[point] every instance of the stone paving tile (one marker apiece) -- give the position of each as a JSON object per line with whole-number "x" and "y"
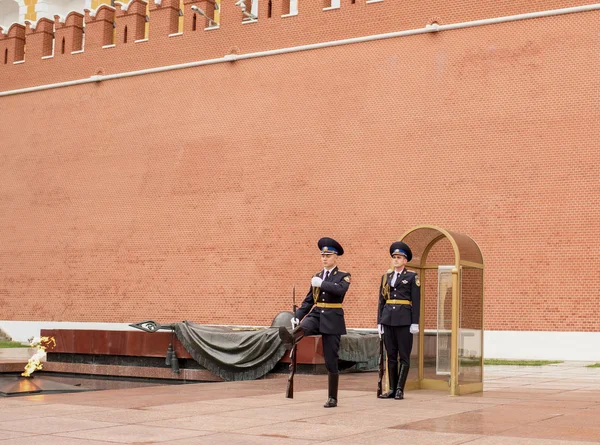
{"x": 581, "y": 425}
{"x": 455, "y": 405}
{"x": 402, "y": 415}
{"x": 241, "y": 439}
{"x": 502, "y": 384}
{"x": 40, "y": 411}
{"x": 555, "y": 385}
{"x": 212, "y": 423}
{"x": 52, "y": 440}
{"x": 522, "y": 389}
{"x": 127, "y": 416}
{"x": 245, "y": 402}
{"x": 316, "y": 407}
{"x": 482, "y": 399}
{"x": 503, "y": 440}
{"x": 346, "y": 393}
{"x": 488, "y": 421}
{"x": 15, "y": 402}
{"x": 315, "y": 398}
{"x": 50, "y": 425}
{"x": 367, "y": 402}
{"x": 371, "y": 419}
{"x": 298, "y": 395}
{"x": 193, "y": 408}
{"x": 156, "y": 395}
{"x": 525, "y": 380}
{"x": 134, "y": 434}
{"x": 124, "y": 403}
{"x": 577, "y": 395}
{"x": 419, "y": 395}
{"x": 395, "y": 437}
{"x": 519, "y": 393}
{"x": 5, "y": 434}
{"x": 299, "y": 430}
{"x": 550, "y": 403}
{"x": 279, "y": 414}
{"x": 441, "y": 405}
{"x": 279, "y": 398}
{"x": 522, "y": 406}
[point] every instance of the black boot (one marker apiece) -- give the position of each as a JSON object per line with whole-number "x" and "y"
{"x": 403, "y": 375}
{"x": 334, "y": 379}
{"x": 393, "y": 374}
{"x": 288, "y": 338}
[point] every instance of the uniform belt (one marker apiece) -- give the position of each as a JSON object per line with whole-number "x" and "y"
{"x": 330, "y": 305}
{"x": 399, "y": 302}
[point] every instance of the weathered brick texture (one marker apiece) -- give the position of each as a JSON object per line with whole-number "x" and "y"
{"x": 200, "y": 193}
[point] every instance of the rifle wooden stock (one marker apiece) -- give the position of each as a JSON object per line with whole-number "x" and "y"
{"x": 381, "y": 368}
{"x": 289, "y": 390}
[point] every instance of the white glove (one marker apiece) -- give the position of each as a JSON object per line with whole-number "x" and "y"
{"x": 414, "y": 328}
{"x": 380, "y": 330}
{"x": 295, "y": 322}
{"x": 316, "y": 282}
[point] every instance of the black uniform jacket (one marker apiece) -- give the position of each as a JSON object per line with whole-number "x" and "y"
{"x": 406, "y": 287}
{"x": 332, "y": 290}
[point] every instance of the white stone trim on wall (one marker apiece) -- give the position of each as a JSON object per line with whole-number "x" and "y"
{"x": 23, "y": 330}
{"x": 22, "y": 12}
{"x": 293, "y": 8}
{"x": 542, "y": 345}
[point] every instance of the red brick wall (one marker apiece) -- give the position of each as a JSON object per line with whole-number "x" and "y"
{"x": 200, "y": 193}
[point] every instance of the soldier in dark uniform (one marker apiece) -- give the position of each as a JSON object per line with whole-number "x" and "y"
{"x": 398, "y": 317}
{"x": 321, "y": 312}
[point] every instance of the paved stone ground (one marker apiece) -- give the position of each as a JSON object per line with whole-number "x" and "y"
{"x": 550, "y": 405}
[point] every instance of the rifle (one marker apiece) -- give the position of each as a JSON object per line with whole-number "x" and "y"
{"x": 289, "y": 391}
{"x": 381, "y": 368}
{"x": 382, "y": 382}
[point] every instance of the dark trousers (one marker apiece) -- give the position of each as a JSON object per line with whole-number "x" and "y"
{"x": 398, "y": 340}
{"x": 331, "y": 342}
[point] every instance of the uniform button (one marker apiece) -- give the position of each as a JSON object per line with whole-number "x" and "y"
{"x": 322, "y": 311}
{"x": 393, "y": 307}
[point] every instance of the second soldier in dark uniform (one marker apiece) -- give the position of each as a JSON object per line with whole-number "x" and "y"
{"x": 398, "y": 317}
{"x": 321, "y": 312}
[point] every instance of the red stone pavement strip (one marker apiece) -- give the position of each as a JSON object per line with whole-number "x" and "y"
{"x": 550, "y": 405}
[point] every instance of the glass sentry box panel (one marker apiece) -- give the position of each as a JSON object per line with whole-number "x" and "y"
{"x": 444, "y": 320}
{"x": 470, "y": 346}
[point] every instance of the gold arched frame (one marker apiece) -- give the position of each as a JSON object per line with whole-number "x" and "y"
{"x": 422, "y": 383}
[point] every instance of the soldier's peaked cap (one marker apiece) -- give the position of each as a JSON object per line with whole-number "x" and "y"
{"x": 400, "y": 248}
{"x": 330, "y": 246}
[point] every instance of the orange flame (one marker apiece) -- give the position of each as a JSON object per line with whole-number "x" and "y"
{"x": 35, "y": 362}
